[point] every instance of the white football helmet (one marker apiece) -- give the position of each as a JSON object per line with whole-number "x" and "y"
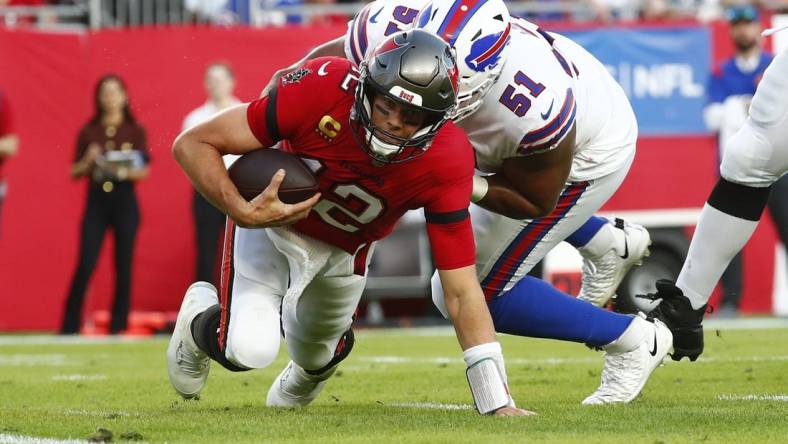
{"x": 478, "y": 31}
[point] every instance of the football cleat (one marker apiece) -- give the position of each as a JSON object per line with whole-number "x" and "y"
{"x": 676, "y": 311}
{"x": 603, "y": 274}
{"x": 187, "y": 365}
{"x": 625, "y": 374}
{"x": 294, "y": 387}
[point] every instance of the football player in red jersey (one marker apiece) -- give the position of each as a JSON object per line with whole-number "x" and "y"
{"x": 381, "y": 143}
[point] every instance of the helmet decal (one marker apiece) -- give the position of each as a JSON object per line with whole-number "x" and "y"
{"x": 424, "y": 17}
{"x": 459, "y": 14}
{"x": 387, "y": 45}
{"x": 486, "y": 51}
{"x": 479, "y": 33}
{"x": 405, "y": 95}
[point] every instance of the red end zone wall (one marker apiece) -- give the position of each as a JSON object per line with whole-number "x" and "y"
{"x": 49, "y": 79}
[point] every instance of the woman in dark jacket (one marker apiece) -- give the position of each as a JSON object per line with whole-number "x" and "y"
{"x": 112, "y": 153}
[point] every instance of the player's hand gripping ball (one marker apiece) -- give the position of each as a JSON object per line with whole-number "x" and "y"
{"x": 253, "y": 171}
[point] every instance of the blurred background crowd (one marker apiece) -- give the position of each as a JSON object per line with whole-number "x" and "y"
{"x": 93, "y": 92}
{"x": 103, "y": 13}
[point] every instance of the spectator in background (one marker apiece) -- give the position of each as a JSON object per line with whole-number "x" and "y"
{"x": 208, "y": 221}
{"x": 613, "y": 10}
{"x": 213, "y": 11}
{"x": 730, "y": 90}
{"x": 112, "y": 153}
{"x": 9, "y": 142}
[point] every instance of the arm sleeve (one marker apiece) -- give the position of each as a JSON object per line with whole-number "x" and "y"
{"x": 448, "y": 220}
{"x": 261, "y": 115}
{"x": 451, "y": 239}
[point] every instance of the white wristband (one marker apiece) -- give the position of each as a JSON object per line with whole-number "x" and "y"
{"x": 487, "y": 377}
{"x": 480, "y": 187}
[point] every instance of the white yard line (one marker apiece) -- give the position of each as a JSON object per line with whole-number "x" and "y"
{"x": 21, "y": 439}
{"x": 451, "y": 360}
{"x": 71, "y": 340}
{"x": 430, "y": 405}
{"x": 543, "y": 361}
{"x": 782, "y": 398}
{"x": 104, "y": 414}
{"x": 744, "y": 323}
{"x": 48, "y": 360}
{"x": 78, "y": 377}
{"x": 750, "y": 323}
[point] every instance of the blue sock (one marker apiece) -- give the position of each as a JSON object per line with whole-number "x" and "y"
{"x": 582, "y": 235}
{"x": 536, "y": 309}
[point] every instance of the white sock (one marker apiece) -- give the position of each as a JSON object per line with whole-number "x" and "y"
{"x": 601, "y": 242}
{"x": 717, "y": 239}
{"x": 632, "y": 337}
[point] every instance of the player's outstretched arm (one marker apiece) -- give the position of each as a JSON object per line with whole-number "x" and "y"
{"x": 528, "y": 187}
{"x": 474, "y": 327}
{"x": 331, "y": 48}
{"x": 199, "y": 152}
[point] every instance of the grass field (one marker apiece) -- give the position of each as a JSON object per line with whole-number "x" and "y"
{"x": 397, "y": 386}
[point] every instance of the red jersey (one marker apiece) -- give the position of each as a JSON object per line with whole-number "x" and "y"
{"x": 361, "y": 202}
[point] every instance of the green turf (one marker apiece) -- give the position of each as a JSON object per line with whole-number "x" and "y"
{"x": 124, "y": 388}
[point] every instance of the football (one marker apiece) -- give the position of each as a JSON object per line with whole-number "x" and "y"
{"x": 252, "y": 172}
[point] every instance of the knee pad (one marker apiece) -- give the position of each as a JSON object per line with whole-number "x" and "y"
{"x": 251, "y": 351}
{"x": 316, "y": 357}
{"x": 739, "y": 200}
{"x": 748, "y": 157}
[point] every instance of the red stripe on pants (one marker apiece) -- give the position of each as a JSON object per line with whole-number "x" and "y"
{"x": 226, "y": 284}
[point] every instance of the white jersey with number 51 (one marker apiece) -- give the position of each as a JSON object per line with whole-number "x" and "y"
{"x": 548, "y": 83}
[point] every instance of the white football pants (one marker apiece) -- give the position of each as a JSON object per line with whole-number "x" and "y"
{"x": 507, "y": 249}
{"x": 313, "y": 283}
{"x": 757, "y": 155}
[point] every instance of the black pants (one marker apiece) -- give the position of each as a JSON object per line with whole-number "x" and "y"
{"x": 117, "y": 209}
{"x": 209, "y": 226}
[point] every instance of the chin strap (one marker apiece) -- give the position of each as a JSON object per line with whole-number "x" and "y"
{"x": 486, "y": 375}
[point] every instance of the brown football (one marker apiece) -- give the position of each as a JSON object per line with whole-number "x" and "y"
{"x": 252, "y": 172}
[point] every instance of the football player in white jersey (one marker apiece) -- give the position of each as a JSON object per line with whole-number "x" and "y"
{"x": 558, "y": 135}
{"x": 754, "y": 158}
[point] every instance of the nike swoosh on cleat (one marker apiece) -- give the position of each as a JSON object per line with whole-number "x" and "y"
{"x": 626, "y": 248}
{"x": 374, "y": 18}
{"x": 549, "y": 110}
{"x": 653, "y": 351}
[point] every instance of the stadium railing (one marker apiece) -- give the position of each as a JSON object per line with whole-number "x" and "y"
{"x": 96, "y": 14}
